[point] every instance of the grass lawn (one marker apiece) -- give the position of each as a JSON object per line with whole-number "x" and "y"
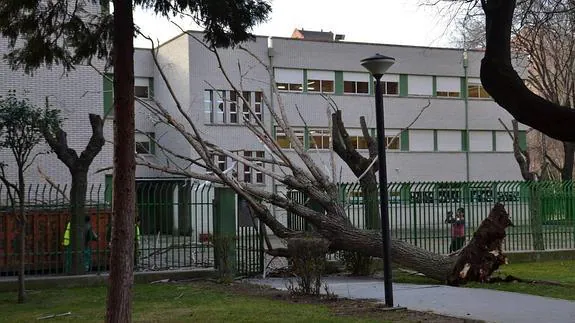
{"x": 201, "y": 302}
{"x": 562, "y": 272}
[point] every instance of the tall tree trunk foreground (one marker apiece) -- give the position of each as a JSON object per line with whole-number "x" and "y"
{"x": 23, "y": 221}
{"x": 119, "y": 307}
{"x": 78, "y": 191}
{"x": 568, "y": 161}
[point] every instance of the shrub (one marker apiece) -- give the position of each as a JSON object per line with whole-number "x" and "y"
{"x": 357, "y": 263}
{"x": 308, "y": 263}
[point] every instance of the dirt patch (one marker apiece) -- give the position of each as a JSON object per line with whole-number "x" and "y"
{"x": 368, "y": 309}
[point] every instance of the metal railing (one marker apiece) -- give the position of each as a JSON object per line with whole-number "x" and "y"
{"x": 175, "y": 225}
{"x": 543, "y": 212}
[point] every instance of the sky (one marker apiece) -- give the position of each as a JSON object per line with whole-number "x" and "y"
{"x": 405, "y": 22}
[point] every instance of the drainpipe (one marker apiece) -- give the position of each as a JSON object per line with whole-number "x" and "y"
{"x": 466, "y": 100}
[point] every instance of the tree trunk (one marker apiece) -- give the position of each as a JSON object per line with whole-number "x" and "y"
{"x": 475, "y": 262}
{"x": 78, "y": 211}
{"x": 568, "y": 160}
{"x": 535, "y": 222}
{"x": 370, "y": 195}
{"x": 23, "y": 220}
{"x": 119, "y": 307}
{"x": 506, "y": 87}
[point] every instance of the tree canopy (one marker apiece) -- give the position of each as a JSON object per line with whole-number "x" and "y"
{"x": 68, "y": 33}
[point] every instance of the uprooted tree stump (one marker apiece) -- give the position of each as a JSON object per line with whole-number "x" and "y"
{"x": 483, "y": 255}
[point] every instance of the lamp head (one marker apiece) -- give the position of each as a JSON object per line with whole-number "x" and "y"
{"x": 377, "y": 64}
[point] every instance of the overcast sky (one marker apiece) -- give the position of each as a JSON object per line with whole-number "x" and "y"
{"x": 404, "y": 22}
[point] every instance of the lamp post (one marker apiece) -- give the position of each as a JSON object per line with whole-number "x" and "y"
{"x": 377, "y": 65}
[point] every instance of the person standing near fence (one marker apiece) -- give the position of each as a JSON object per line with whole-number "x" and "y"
{"x": 457, "y": 229}
{"x": 89, "y": 236}
{"x": 137, "y": 237}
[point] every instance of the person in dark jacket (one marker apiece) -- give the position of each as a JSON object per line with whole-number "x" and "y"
{"x": 457, "y": 229}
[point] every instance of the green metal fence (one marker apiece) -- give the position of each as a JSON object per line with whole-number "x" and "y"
{"x": 543, "y": 212}
{"x": 175, "y": 225}
{"x": 175, "y": 221}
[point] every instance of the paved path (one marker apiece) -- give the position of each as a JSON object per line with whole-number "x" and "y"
{"x": 473, "y": 303}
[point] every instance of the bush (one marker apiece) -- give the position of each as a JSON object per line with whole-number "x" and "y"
{"x": 357, "y": 263}
{"x": 308, "y": 263}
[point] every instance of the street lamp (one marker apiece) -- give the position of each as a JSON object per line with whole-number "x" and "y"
{"x": 377, "y": 65}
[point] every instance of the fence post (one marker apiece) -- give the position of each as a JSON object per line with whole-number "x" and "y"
{"x": 225, "y": 230}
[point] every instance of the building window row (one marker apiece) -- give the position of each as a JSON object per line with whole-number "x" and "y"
{"x": 320, "y": 138}
{"x": 228, "y": 107}
{"x": 415, "y": 140}
{"x": 316, "y": 81}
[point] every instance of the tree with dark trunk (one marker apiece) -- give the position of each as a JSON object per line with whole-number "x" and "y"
{"x": 20, "y": 124}
{"x": 505, "y": 86}
{"x": 78, "y": 167}
{"x": 71, "y": 32}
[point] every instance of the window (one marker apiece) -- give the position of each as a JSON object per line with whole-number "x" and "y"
{"x": 421, "y": 140}
{"x": 253, "y": 175}
{"x": 142, "y": 87}
{"x": 319, "y": 138}
{"x": 258, "y": 105}
{"x": 221, "y": 162}
{"x": 420, "y": 85}
{"x": 389, "y": 84}
{"x": 245, "y": 105}
{"x": 357, "y": 139}
{"x": 283, "y": 140}
{"x": 222, "y": 106}
{"x": 355, "y": 83}
{"x": 233, "y": 107}
{"x": 392, "y": 139}
{"x": 448, "y": 140}
{"x": 145, "y": 144}
{"x": 208, "y": 99}
{"x": 475, "y": 89}
{"x": 448, "y": 87}
{"x": 480, "y": 141}
{"x": 289, "y": 80}
{"x": 320, "y": 81}
{"x": 392, "y": 142}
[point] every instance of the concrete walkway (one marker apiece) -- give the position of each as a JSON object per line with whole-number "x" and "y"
{"x": 472, "y": 303}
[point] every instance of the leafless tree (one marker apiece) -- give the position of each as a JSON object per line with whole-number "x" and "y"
{"x": 475, "y": 262}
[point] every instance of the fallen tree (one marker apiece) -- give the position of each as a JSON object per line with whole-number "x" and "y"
{"x": 475, "y": 262}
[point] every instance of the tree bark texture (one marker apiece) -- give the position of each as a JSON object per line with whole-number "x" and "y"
{"x": 78, "y": 191}
{"x": 23, "y": 221}
{"x": 535, "y": 222}
{"x": 119, "y": 307}
{"x": 506, "y": 87}
{"x": 568, "y": 160}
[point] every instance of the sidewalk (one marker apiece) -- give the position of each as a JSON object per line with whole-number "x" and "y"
{"x": 473, "y": 303}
